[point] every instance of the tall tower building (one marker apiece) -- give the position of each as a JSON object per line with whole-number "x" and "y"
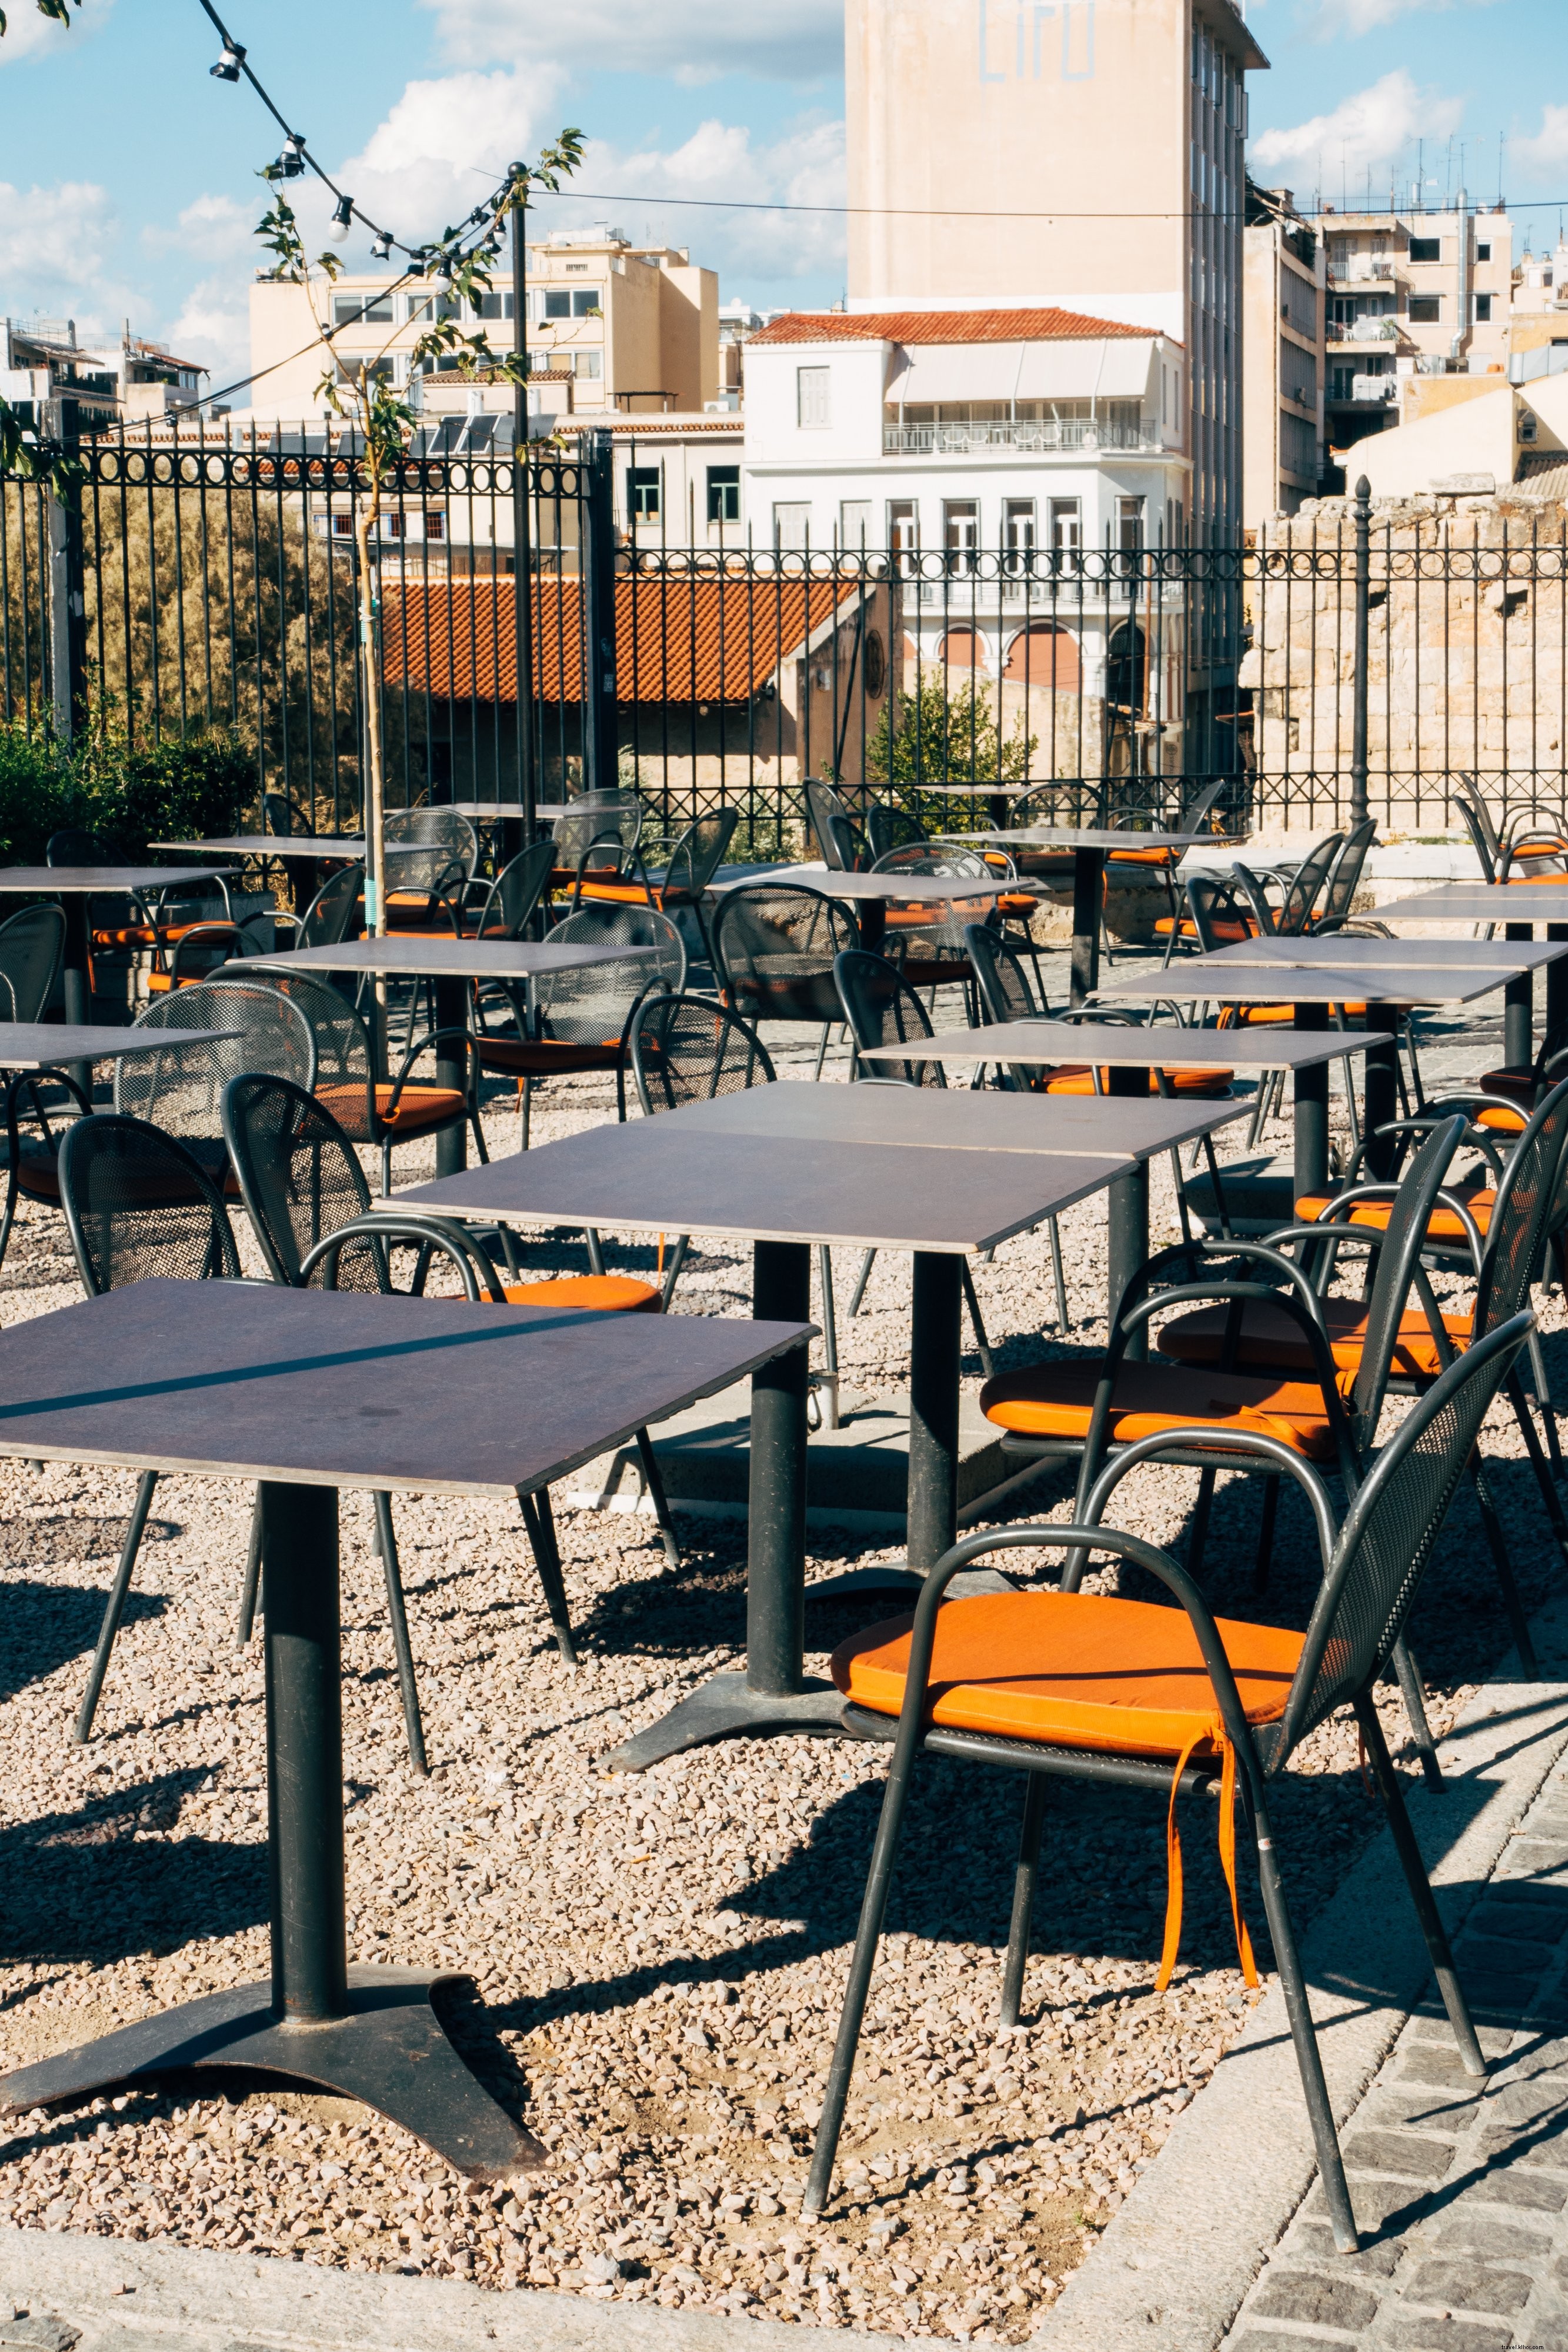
{"x": 1079, "y": 153}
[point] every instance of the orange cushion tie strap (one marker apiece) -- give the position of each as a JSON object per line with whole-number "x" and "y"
{"x": 1227, "y": 1857}
{"x": 1173, "y": 1868}
{"x": 1215, "y": 1733}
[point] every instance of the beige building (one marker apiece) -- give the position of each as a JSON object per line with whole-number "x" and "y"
{"x": 1283, "y": 357}
{"x": 612, "y": 327}
{"x": 1411, "y": 294}
{"x": 1086, "y": 156}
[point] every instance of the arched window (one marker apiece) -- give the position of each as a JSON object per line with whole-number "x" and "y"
{"x": 962, "y": 649}
{"x": 1045, "y": 656}
{"x": 1124, "y": 666}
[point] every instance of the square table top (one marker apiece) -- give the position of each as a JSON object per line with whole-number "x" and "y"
{"x": 43, "y": 1045}
{"x": 689, "y": 1170}
{"x": 67, "y": 879}
{"x": 418, "y": 958}
{"x": 273, "y": 844}
{"x": 937, "y": 1118}
{"x": 1082, "y": 836}
{"x": 1049, "y": 1042}
{"x": 1376, "y": 955}
{"x": 337, "y": 1389}
{"x": 906, "y": 889}
{"x": 1483, "y": 902}
{"x": 1282, "y": 984}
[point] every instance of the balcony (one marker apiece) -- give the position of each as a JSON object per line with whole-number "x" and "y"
{"x": 1345, "y": 333}
{"x": 1380, "y": 389}
{"x": 1071, "y": 433}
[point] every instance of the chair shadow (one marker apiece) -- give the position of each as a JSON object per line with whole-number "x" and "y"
{"x": 47, "y": 1625}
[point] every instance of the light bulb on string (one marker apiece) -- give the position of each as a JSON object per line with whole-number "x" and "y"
{"x": 228, "y": 65}
{"x": 381, "y": 246}
{"x": 290, "y": 163}
{"x": 341, "y": 220}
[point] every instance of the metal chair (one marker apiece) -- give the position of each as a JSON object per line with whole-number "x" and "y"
{"x": 1069, "y": 1684}
{"x": 429, "y": 855}
{"x": 889, "y": 827}
{"x": 580, "y": 1019}
{"x": 181, "y": 1090}
{"x": 1218, "y": 916}
{"x": 139, "y": 1207}
{"x": 838, "y": 836}
{"x": 130, "y": 920}
{"x": 507, "y": 906}
{"x": 599, "y": 835}
{"x": 1298, "y": 908}
{"x": 284, "y": 817}
{"x": 774, "y": 946}
{"x": 693, "y": 862}
{"x": 32, "y": 943}
{"x": 335, "y": 912}
{"x": 1345, "y": 878}
{"x": 874, "y": 993}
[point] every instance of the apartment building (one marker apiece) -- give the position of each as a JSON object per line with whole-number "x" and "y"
{"x": 90, "y": 389}
{"x": 1284, "y": 359}
{"x": 1412, "y": 295}
{"x": 612, "y": 328}
{"x": 1086, "y": 156}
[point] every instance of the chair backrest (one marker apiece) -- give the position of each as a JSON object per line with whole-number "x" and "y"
{"x": 1387, "y": 1539}
{"x": 837, "y": 836}
{"x": 335, "y": 910}
{"x": 182, "y": 1089}
{"x": 890, "y": 828}
{"x": 139, "y": 1206}
{"x": 1345, "y": 878}
{"x": 928, "y": 856}
{"x": 299, "y": 1174}
{"x": 688, "y": 1049}
{"x": 281, "y": 816}
{"x": 338, "y": 1038}
{"x": 1212, "y": 900}
{"x": 1305, "y": 888}
{"x": 516, "y": 892}
{"x": 1483, "y": 841}
{"x": 74, "y": 845}
{"x": 599, "y": 818}
{"x": 592, "y": 1005}
{"x": 882, "y": 1009}
{"x": 1531, "y": 1195}
{"x": 774, "y": 944}
{"x": 31, "y": 945}
{"x": 1403, "y": 1238}
{"x": 1199, "y": 803}
{"x": 428, "y": 847}
{"x": 1467, "y": 795}
{"x": 697, "y": 856}
{"x": 1001, "y": 976}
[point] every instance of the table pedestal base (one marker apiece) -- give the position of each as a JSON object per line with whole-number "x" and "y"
{"x": 390, "y": 2052}
{"x": 726, "y": 1707}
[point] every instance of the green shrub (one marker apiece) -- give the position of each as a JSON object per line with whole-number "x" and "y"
{"x": 130, "y": 793}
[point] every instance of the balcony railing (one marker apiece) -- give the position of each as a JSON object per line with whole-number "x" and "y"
{"x": 1072, "y": 432}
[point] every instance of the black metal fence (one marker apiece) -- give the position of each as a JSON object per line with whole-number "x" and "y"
{"x": 183, "y": 585}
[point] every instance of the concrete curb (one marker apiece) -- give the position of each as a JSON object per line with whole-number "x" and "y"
{"x": 130, "y": 2298}
{"x": 1172, "y": 2270}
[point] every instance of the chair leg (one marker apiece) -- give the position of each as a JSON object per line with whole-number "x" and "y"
{"x": 1029, "y": 1835}
{"x": 386, "y": 1167}
{"x": 1198, "y": 1539}
{"x": 1495, "y": 1544}
{"x": 1543, "y": 1478}
{"x": 1538, "y": 1372}
{"x": 873, "y": 1907}
{"x": 861, "y": 1279}
{"x": 1265, "y": 1560}
{"x": 677, "y": 1260}
{"x": 1303, "y": 2032}
{"x": 246, "y": 1624}
{"x": 970, "y": 1301}
{"x": 114, "y": 1608}
{"x": 596, "y": 1252}
{"x": 1420, "y": 1886}
{"x": 509, "y": 1251}
{"x": 405, "y": 1655}
{"x": 653, "y": 1478}
{"x": 525, "y": 1108}
{"x": 821, "y": 1052}
{"x": 828, "y": 1377}
{"x": 538, "y": 1518}
{"x": 1053, "y": 1229}
{"x": 1413, "y": 1692}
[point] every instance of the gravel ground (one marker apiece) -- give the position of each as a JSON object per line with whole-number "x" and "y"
{"x": 655, "y": 1963}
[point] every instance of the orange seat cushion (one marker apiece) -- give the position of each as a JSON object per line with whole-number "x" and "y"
{"x": 1442, "y": 1227}
{"x": 1072, "y": 1669}
{"x": 1057, "y": 1400}
{"x": 1210, "y": 1085}
{"x": 543, "y": 1057}
{"x": 1270, "y": 1339}
{"x": 1233, "y": 933}
{"x": 38, "y": 1177}
{"x": 606, "y": 1293}
{"x": 418, "y": 1108}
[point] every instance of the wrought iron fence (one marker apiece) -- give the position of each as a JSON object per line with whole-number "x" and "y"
{"x": 185, "y": 585}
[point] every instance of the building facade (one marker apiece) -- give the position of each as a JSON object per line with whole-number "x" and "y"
{"x": 1087, "y": 155}
{"x": 612, "y": 328}
{"x": 1283, "y": 357}
{"x": 56, "y": 383}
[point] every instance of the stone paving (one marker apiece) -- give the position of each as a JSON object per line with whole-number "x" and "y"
{"x": 1460, "y": 2187}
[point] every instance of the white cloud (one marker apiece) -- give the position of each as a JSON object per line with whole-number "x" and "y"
{"x": 55, "y": 248}
{"x": 212, "y": 228}
{"x": 427, "y": 164}
{"x": 29, "y": 35}
{"x": 214, "y": 329}
{"x": 1547, "y": 152}
{"x": 1367, "y": 131}
{"x": 693, "y": 40}
{"x": 1346, "y": 20}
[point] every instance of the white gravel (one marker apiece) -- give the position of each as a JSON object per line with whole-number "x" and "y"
{"x": 656, "y": 1962}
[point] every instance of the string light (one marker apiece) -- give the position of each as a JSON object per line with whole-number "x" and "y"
{"x": 342, "y": 219}
{"x": 290, "y": 163}
{"x": 228, "y": 65}
{"x": 381, "y": 246}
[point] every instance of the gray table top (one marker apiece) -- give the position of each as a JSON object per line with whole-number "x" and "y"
{"x": 1377, "y": 955}
{"x": 67, "y": 879}
{"x": 684, "y": 1171}
{"x": 417, "y": 959}
{"x": 273, "y": 844}
{"x": 44, "y": 1044}
{"x": 1279, "y": 983}
{"x": 1076, "y": 836}
{"x": 934, "y": 1119}
{"x": 335, "y": 1388}
{"x": 1483, "y": 902}
{"x": 906, "y": 889}
{"x": 1051, "y": 1042}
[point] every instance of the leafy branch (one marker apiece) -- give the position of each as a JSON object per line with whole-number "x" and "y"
{"x": 57, "y": 9}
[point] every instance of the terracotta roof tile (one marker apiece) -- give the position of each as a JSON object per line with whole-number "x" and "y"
{"x": 941, "y": 327}
{"x": 676, "y": 640}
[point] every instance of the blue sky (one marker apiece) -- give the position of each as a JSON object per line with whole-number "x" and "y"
{"x": 126, "y": 173}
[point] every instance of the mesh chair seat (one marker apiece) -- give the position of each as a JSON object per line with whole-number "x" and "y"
{"x": 418, "y": 1109}
{"x": 1443, "y": 1225}
{"x": 1269, "y": 1339}
{"x": 1151, "y": 1399}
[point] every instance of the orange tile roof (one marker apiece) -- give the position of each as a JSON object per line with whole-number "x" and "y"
{"x": 676, "y": 640}
{"x": 941, "y": 327}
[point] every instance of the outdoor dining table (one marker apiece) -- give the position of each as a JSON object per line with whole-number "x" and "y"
{"x": 451, "y": 965}
{"x": 309, "y": 1393}
{"x": 74, "y": 886}
{"x": 870, "y": 894}
{"x": 784, "y": 1166}
{"x": 1518, "y": 907}
{"x": 308, "y": 851}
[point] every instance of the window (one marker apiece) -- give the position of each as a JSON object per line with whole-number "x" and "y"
{"x": 493, "y": 306}
{"x": 642, "y": 503}
{"x": 855, "y": 523}
{"x": 723, "y": 494}
{"x": 435, "y": 526}
{"x": 1129, "y": 525}
{"x": 342, "y": 526}
{"x": 1483, "y": 309}
{"x": 1527, "y": 424}
{"x": 348, "y": 308}
{"x": 1425, "y": 249}
{"x": 792, "y": 525}
{"x": 557, "y": 306}
{"x": 587, "y": 366}
{"x": 1019, "y": 529}
{"x": 585, "y": 302}
{"x": 903, "y": 526}
{"x": 1425, "y": 310}
{"x": 961, "y": 533}
{"x": 415, "y": 307}
{"x": 1483, "y": 252}
{"x": 1067, "y": 526}
{"x": 812, "y": 411}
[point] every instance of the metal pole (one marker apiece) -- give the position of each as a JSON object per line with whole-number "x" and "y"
{"x": 1361, "y": 515}
{"x": 775, "y": 1570}
{"x": 67, "y": 582}
{"x": 600, "y": 767}
{"x": 522, "y": 532}
{"x": 304, "y": 1752}
{"x": 935, "y": 1338}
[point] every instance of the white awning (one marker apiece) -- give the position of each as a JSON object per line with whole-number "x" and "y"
{"x": 943, "y": 373}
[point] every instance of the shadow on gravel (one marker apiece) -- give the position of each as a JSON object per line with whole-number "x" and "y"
{"x": 46, "y": 1625}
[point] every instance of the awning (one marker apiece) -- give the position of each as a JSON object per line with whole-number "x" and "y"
{"x": 948, "y": 372}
